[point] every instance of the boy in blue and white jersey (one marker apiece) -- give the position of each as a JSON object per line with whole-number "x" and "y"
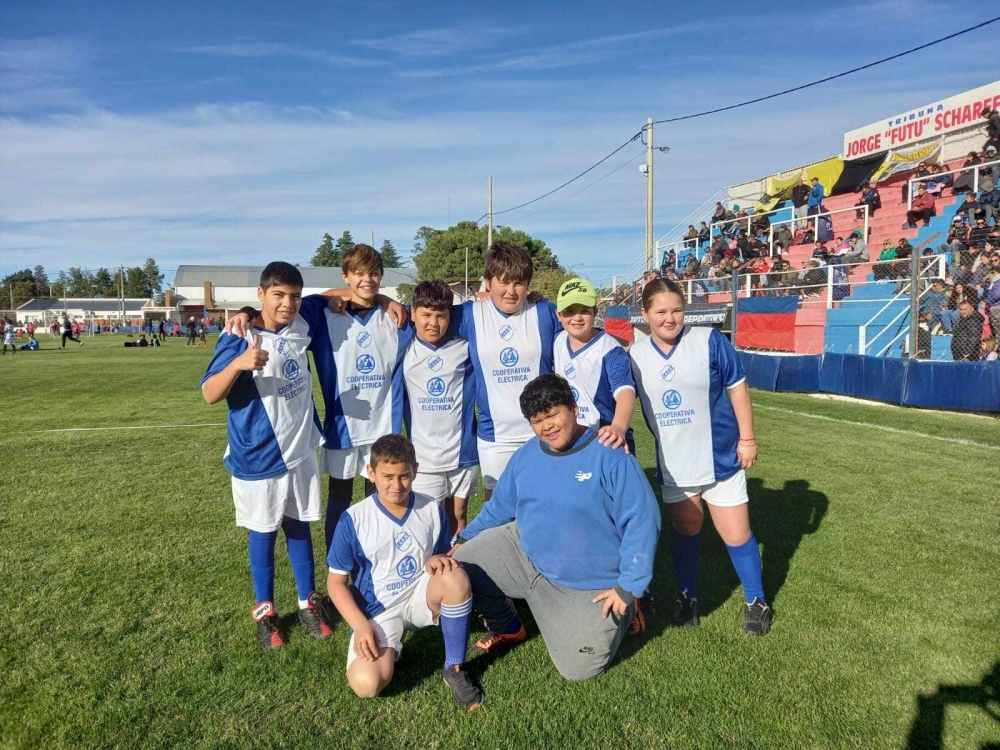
{"x": 393, "y": 545}
{"x": 511, "y": 342}
{"x": 273, "y": 436}
{"x": 595, "y": 364}
{"x": 572, "y": 530}
{"x": 440, "y": 406}
{"x": 358, "y": 352}
{"x": 358, "y": 355}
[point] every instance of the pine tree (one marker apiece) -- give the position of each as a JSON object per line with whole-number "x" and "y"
{"x": 326, "y": 254}
{"x": 390, "y": 258}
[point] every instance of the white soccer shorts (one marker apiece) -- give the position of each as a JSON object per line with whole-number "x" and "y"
{"x": 407, "y": 613}
{"x": 262, "y": 503}
{"x": 725, "y": 494}
{"x": 444, "y": 484}
{"x": 493, "y": 458}
{"x": 345, "y": 463}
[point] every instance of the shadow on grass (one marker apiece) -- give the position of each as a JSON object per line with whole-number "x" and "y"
{"x": 780, "y": 519}
{"x": 423, "y": 654}
{"x": 927, "y": 730}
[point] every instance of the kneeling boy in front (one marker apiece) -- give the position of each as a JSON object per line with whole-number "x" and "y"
{"x": 393, "y": 546}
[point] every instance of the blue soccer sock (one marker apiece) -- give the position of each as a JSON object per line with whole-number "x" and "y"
{"x": 300, "y": 555}
{"x": 686, "y": 551}
{"x": 334, "y": 510}
{"x": 261, "y": 548}
{"x": 455, "y": 629}
{"x": 746, "y": 560}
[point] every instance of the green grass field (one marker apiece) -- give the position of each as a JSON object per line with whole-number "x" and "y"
{"x": 125, "y": 592}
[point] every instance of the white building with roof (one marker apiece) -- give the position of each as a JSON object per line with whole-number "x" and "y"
{"x": 87, "y": 309}
{"x": 200, "y": 290}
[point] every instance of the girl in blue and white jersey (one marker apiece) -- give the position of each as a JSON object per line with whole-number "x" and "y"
{"x": 695, "y": 400}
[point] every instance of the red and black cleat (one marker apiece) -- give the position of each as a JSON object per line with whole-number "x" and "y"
{"x": 268, "y": 635}
{"x": 315, "y": 617}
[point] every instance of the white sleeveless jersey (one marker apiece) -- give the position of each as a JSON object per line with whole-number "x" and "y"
{"x": 508, "y": 351}
{"x": 385, "y": 555}
{"x": 440, "y": 407}
{"x": 685, "y": 404}
{"x": 597, "y": 373}
{"x": 358, "y": 361}
{"x": 272, "y": 420}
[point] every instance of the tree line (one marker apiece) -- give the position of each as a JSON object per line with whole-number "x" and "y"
{"x": 35, "y": 283}
{"x": 441, "y": 254}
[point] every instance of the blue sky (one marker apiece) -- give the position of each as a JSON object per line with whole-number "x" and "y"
{"x": 199, "y": 133}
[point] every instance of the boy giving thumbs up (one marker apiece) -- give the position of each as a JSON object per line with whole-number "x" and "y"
{"x": 273, "y": 437}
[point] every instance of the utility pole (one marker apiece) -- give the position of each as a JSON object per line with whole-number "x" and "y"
{"x": 489, "y": 231}
{"x": 121, "y": 292}
{"x": 373, "y": 238}
{"x": 649, "y": 193}
{"x": 466, "y": 274}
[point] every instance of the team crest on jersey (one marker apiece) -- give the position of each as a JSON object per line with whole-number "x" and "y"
{"x": 407, "y": 568}
{"x": 576, "y": 394}
{"x": 365, "y": 364}
{"x": 281, "y": 345}
{"x": 434, "y": 363}
{"x": 570, "y": 371}
{"x": 290, "y": 369}
{"x": 506, "y": 332}
{"x": 364, "y": 339}
{"x": 672, "y": 399}
{"x": 508, "y": 357}
{"x": 401, "y": 539}
{"x": 435, "y": 387}
{"x": 668, "y": 373}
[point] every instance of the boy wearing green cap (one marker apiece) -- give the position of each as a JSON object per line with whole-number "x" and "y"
{"x": 596, "y": 366}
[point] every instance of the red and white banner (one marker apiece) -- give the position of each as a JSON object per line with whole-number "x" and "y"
{"x": 959, "y": 111}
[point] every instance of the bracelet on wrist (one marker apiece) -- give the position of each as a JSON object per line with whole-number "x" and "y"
{"x": 748, "y": 440}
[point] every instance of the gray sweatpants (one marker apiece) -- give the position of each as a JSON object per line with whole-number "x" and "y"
{"x": 581, "y": 642}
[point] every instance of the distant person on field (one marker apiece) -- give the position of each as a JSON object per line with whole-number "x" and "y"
{"x": 9, "y": 337}
{"x": 67, "y": 332}
{"x": 394, "y": 546}
{"x": 191, "y": 331}
{"x": 571, "y": 529}
{"x": 273, "y": 436}
{"x": 161, "y": 331}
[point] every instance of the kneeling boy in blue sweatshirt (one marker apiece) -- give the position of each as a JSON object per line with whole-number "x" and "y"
{"x": 580, "y": 514}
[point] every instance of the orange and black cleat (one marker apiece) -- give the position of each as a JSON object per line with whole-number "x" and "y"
{"x": 268, "y": 635}
{"x": 494, "y": 643}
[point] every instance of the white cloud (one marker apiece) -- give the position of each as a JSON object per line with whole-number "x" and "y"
{"x": 253, "y": 49}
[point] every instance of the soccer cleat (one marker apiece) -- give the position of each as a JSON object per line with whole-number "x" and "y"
{"x": 464, "y": 689}
{"x": 494, "y": 643}
{"x": 686, "y": 612}
{"x": 638, "y": 624}
{"x": 315, "y": 617}
{"x": 268, "y": 635}
{"x": 757, "y": 618}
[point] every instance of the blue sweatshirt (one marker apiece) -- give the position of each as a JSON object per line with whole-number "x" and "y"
{"x": 587, "y": 516}
{"x": 815, "y": 195}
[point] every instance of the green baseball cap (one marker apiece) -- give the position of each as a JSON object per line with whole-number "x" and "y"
{"x": 576, "y": 292}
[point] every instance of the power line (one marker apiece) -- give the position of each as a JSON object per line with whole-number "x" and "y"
{"x": 748, "y": 102}
{"x": 833, "y": 77}
{"x": 568, "y": 182}
{"x": 585, "y": 187}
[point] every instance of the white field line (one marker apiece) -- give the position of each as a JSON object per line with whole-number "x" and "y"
{"x": 135, "y": 427}
{"x": 883, "y": 428}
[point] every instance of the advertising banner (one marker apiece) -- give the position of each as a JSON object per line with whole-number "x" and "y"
{"x": 936, "y": 119}
{"x": 902, "y": 161}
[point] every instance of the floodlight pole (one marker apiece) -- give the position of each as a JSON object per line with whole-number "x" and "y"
{"x": 914, "y": 302}
{"x": 649, "y": 193}
{"x": 489, "y": 226}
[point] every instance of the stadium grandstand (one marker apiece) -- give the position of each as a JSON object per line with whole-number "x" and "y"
{"x": 819, "y": 259}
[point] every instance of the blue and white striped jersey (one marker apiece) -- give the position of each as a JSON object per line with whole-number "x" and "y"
{"x": 358, "y": 360}
{"x": 685, "y": 404}
{"x": 597, "y": 373}
{"x": 384, "y": 555}
{"x": 440, "y": 406}
{"x": 508, "y": 351}
{"x": 273, "y": 425}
